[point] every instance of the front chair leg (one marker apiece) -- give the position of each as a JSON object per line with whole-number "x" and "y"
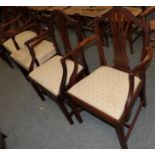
{"x": 121, "y": 136}
{"x": 38, "y": 92}
{"x": 75, "y": 110}
{"x": 143, "y": 96}
{"x": 65, "y": 111}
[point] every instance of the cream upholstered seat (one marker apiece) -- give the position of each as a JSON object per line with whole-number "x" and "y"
{"x": 20, "y": 38}
{"x": 106, "y": 89}
{"x": 44, "y": 51}
{"x": 49, "y": 74}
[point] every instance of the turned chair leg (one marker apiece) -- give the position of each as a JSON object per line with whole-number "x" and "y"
{"x": 76, "y": 111}
{"x": 121, "y": 136}
{"x": 65, "y": 111}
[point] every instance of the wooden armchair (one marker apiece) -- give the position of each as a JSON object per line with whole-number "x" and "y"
{"x": 50, "y": 78}
{"x": 110, "y": 91}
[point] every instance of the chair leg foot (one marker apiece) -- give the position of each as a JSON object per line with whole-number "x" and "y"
{"x": 65, "y": 112}
{"x": 121, "y": 136}
{"x": 76, "y": 112}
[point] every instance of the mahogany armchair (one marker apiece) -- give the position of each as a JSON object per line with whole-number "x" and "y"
{"x": 50, "y": 78}
{"x": 110, "y": 91}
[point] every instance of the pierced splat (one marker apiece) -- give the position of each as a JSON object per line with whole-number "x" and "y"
{"x": 120, "y": 28}
{"x": 120, "y": 22}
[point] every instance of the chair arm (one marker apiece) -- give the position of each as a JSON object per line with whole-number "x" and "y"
{"x": 73, "y": 54}
{"x": 34, "y": 42}
{"x": 138, "y": 68}
{"x": 145, "y": 62}
{"x": 34, "y": 39}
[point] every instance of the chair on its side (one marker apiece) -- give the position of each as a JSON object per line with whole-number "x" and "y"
{"x": 110, "y": 91}
{"x": 51, "y": 78}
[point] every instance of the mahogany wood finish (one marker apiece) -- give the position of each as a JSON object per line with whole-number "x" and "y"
{"x": 120, "y": 21}
{"x": 62, "y": 22}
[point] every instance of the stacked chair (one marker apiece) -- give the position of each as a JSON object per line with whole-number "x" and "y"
{"x": 61, "y": 71}
{"x": 21, "y": 45}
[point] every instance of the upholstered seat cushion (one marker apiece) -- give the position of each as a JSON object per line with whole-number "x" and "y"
{"x": 49, "y": 74}
{"x": 105, "y": 89}
{"x": 10, "y": 46}
{"x": 44, "y": 51}
{"x": 20, "y": 38}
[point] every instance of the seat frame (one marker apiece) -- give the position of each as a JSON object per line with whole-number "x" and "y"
{"x": 118, "y": 17}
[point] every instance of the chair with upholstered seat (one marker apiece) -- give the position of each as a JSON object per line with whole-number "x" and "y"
{"x": 110, "y": 91}
{"x": 22, "y": 43}
{"x": 51, "y": 78}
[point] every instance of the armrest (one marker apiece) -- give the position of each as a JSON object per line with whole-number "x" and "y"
{"x": 34, "y": 39}
{"x": 145, "y": 62}
{"x": 73, "y": 54}
{"x": 76, "y": 51}
{"x": 138, "y": 68}
{"x": 34, "y": 42}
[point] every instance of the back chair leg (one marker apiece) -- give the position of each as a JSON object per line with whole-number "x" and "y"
{"x": 65, "y": 111}
{"x": 76, "y": 110}
{"x": 121, "y": 136}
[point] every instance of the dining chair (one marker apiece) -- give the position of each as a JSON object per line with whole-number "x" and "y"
{"x": 23, "y": 39}
{"x": 51, "y": 78}
{"x": 110, "y": 91}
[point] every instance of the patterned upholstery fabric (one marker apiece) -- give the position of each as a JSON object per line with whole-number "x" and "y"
{"x": 106, "y": 89}
{"x": 20, "y": 39}
{"x": 49, "y": 74}
{"x": 44, "y": 50}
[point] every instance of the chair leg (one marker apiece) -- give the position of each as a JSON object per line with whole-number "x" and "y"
{"x": 121, "y": 136}
{"x": 143, "y": 96}
{"x": 65, "y": 111}
{"x": 38, "y": 92}
{"x": 76, "y": 111}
